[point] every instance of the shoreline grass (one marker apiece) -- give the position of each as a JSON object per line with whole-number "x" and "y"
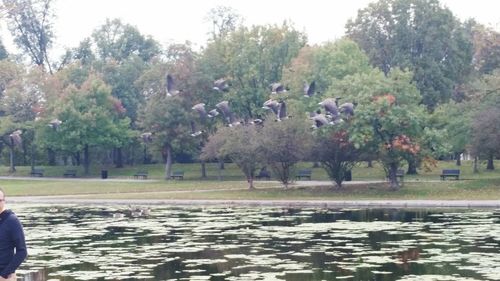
{"x": 424, "y": 186}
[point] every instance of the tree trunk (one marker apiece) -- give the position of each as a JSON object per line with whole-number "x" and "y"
{"x": 475, "y": 169}
{"x": 393, "y": 179}
{"x": 77, "y": 158}
{"x": 250, "y": 182}
{"x": 490, "y": 165}
{"x": 119, "y": 157}
{"x": 168, "y": 162}
{"x": 52, "y": 156}
{"x": 145, "y": 155}
{"x": 86, "y": 160}
{"x": 219, "y": 171}
{"x": 412, "y": 166}
{"x": 32, "y": 156}
{"x": 203, "y": 170}
{"x": 370, "y": 164}
{"x": 12, "y": 166}
{"x": 457, "y": 158}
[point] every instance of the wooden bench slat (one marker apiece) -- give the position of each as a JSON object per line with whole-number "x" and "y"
{"x": 304, "y": 174}
{"x": 37, "y": 172}
{"x": 70, "y": 173}
{"x": 263, "y": 174}
{"x": 450, "y": 173}
{"x": 177, "y": 175}
{"x": 141, "y": 174}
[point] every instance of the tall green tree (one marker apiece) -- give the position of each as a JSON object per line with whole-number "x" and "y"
{"x": 419, "y": 35}
{"x": 485, "y": 136}
{"x": 116, "y": 40}
{"x": 388, "y": 119}
{"x": 252, "y": 58}
{"x": 30, "y": 23}
{"x": 325, "y": 65}
{"x": 486, "y": 42}
{"x": 91, "y": 118}
{"x": 169, "y": 118}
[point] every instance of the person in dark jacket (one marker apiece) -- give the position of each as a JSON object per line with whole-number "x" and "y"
{"x": 12, "y": 244}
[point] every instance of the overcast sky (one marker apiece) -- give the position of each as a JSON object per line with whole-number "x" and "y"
{"x": 178, "y": 21}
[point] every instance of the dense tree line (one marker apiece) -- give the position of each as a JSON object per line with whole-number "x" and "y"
{"x": 424, "y": 86}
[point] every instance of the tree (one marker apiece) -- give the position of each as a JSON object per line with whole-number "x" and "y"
{"x": 419, "y": 35}
{"x": 284, "y": 144}
{"x": 486, "y": 134}
{"x": 325, "y": 65}
{"x": 456, "y": 119}
{"x": 224, "y": 21}
{"x": 240, "y": 144}
{"x": 486, "y": 42}
{"x": 335, "y": 152}
{"x": 252, "y": 58}
{"x": 168, "y": 118}
{"x": 30, "y": 22}
{"x": 388, "y": 119}
{"x": 3, "y": 51}
{"x": 91, "y": 118}
{"x": 118, "y": 41}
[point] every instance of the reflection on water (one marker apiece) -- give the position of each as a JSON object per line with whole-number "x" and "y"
{"x": 75, "y": 242}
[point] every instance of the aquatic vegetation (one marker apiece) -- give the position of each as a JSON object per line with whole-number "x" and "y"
{"x": 77, "y": 242}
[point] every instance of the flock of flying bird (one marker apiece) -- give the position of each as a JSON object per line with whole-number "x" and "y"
{"x": 334, "y": 113}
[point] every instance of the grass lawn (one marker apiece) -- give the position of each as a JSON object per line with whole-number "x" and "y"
{"x": 426, "y": 185}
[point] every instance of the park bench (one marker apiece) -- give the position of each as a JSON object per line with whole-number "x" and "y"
{"x": 306, "y": 173}
{"x": 400, "y": 174}
{"x": 141, "y": 175}
{"x": 177, "y": 175}
{"x": 450, "y": 173}
{"x": 70, "y": 173}
{"x": 37, "y": 172}
{"x": 263, "y": 174}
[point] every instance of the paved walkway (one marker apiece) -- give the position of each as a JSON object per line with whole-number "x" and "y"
{"x": 80, "y": 199}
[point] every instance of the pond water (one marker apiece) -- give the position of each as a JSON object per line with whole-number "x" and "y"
{"x": 77, "y": 242}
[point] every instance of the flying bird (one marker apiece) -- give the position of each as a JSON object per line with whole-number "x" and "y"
{"x": 55, "y": 123}
{"x": 309, "y": 89}
{"x": 223, "y": 107}
{"x": 282, "y": 111}
{"x": 200, "y": 108}
{"x": 257, "y": 121}
{"x": 330, "y": 106}
{"x": 147, "y": 137}
{"x": 277, "y": 88}
{"x": 347, "y": 108}
{"x": 221, "y": 85}
{"x": 271, "y": 104}
{"x": 15, "y": 138}
{"x": 213, "y": 113}
{"x": 320, "y": 120}
{"x": 171, "y": 89}
{"x": 194, "y": 132}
